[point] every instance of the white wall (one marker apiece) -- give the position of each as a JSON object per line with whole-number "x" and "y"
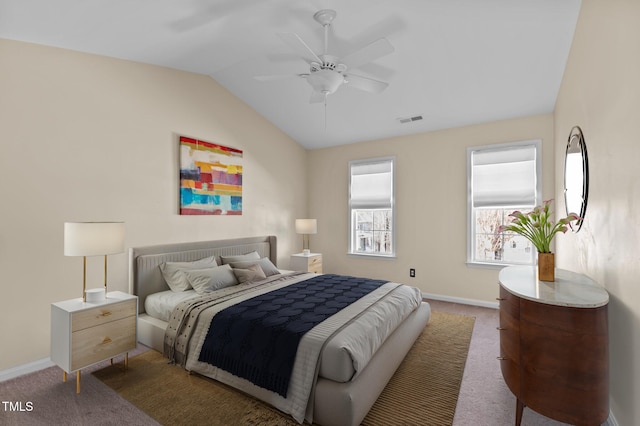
{"x": 600, "y": 92}
{"x": 431, "y": 197}
{"x": 89, "y": 138}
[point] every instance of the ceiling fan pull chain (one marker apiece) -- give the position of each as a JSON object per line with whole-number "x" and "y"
{"x": 325, "y": 113}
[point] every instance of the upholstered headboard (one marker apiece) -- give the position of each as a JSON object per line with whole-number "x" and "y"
{"x": 145, "y": 277}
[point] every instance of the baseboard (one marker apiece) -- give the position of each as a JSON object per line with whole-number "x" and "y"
{"x": 611, "y": 421}
{"x": 25, "y": 369}
{"x": 473, "y": 302}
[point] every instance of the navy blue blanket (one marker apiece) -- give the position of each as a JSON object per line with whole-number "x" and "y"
{"x": 258, "y": 339}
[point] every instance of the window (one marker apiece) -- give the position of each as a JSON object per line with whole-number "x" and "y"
{"x": 371, "y": 207}
{"x": 501, "y": 178}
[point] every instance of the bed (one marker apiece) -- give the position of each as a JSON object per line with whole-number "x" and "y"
{"x": 336, "y": 376}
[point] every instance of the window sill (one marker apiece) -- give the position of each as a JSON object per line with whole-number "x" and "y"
{"x": 482, "y": 265}
{"x": 373, "y": 255}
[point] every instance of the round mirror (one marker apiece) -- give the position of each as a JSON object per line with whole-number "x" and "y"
{"x": 576, "y": 176}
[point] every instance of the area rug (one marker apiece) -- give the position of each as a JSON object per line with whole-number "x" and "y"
{"x": 423, "y": 391}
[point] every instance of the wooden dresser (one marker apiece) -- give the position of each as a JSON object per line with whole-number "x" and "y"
{"x": 554, "y": 345}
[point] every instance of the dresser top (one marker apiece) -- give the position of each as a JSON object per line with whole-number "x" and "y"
{"x": 569, "y": 288}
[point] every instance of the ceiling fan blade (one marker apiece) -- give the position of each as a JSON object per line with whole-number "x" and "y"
{"x": 294, "y": 41}
{"x": 317, "y": 97}
{"x": 369, "y": 53}
{"x": 276, "y": 77}
{"x": 365, "y": 83}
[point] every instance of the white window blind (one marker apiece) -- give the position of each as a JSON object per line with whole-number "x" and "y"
{"x": 501, "y": 178}
{"x": 504, "y": 177}
{"x": 371, "y": 207}
{"x": 372, "y": 185}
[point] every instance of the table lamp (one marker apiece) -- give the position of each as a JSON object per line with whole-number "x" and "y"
{"x": 306, "y": 227}
{"x": 93, "y": 239}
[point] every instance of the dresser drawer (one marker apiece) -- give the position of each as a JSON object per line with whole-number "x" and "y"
{"x": 509, "y": 335}
{"x": 509, "y": 330}
{"x": 88, "y": 318}
{"x": 97, "y": 343}
{"x": 509, "y": 303}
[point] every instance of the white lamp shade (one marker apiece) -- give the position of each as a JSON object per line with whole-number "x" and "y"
{"x": 93, "y": 238}
{"x": 306, "y": 226}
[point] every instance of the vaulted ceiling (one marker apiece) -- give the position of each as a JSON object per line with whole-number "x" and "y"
{"x": 454, "y": 62}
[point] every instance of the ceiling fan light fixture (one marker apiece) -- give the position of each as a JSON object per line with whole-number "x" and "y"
{"x": 325, "y": 81}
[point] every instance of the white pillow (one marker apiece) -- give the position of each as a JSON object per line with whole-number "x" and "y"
{"x": 265, "y": 264}
{"x": 174, "y": 276}
{"x": 211, "y": 279}
{"x": 251, "y": 273}
{"x": 240, "y": 257}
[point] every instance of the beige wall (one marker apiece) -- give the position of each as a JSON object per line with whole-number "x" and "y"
{"x": 84, "y": 138}
{"x": 600, "y": 92}
{"x": 431, "y": 205}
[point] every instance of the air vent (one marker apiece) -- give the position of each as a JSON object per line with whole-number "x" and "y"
{"x": 405, "y": 120}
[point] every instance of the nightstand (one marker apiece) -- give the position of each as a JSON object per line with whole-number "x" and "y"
{"x": 84, "y": 333}
{"x": 307, "y": 263}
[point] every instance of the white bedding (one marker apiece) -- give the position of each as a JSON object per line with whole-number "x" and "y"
{"x": 344, "y": 354}
{"x": 160, "y": 305}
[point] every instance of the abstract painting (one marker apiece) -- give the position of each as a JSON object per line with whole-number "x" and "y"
{"x": 210, "y": 178}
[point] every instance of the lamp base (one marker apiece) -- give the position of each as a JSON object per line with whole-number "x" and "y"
{"x": 94, "y": 295}
{"x": 306, "y": 252}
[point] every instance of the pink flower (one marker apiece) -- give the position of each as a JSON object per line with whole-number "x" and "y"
{"x": 538, "y": 226}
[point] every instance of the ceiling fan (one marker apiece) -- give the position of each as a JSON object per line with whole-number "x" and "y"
{"x": 328, "y": 72}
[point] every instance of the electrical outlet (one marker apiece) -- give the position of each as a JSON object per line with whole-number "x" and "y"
{"x": 412, "y": 273}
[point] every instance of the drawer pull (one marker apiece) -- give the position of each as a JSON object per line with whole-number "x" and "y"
{"x": 105, "y": 314}
{"x": 501, "y": 328}
{"x": 106, "y": 340}
{"x": 502, "y": 358}
{"x": 501, "y": 298}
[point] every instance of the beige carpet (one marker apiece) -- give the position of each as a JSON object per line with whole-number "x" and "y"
{"x": 424, "y": 389}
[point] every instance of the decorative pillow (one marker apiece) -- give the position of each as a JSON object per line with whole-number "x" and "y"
{"x": 174, "y": 276}
{"x": 251, "y": 273}
{"x": 265, "y": 264}
{"x": 240, "y": 257}
{"x": 211, "y": 279}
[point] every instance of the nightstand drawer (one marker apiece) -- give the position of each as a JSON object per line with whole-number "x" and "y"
{"x": 102, "y": 314}
{"x": 315, "y": 260}
{"x": 94, "y": 344}
{"x": 315, "y": 267}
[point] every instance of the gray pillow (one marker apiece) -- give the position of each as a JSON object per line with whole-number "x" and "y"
{"x": 240, "y": 257}
{"x": 251, "y": 273}
{"x": 211, "y": 279}
{"x": 265, "y": 264}
{"x": 174, "y": 276}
